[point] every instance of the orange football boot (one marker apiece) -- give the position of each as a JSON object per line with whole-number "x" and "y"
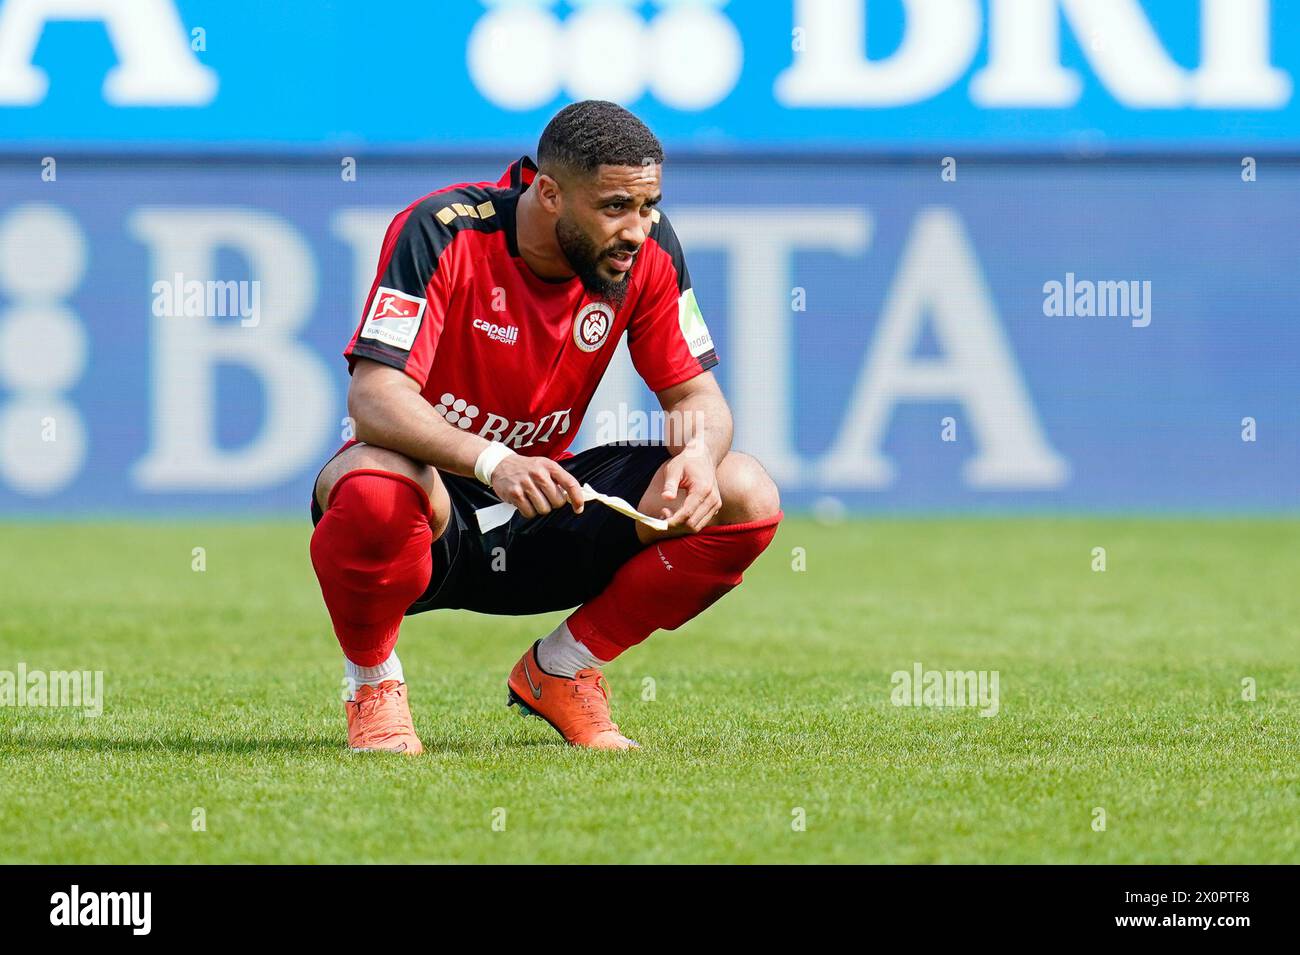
{"x": 578, "y": 709}
{"x": 379, "y": 719}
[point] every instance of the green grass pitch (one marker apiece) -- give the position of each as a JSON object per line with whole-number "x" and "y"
{"x": 1119, "y": 690}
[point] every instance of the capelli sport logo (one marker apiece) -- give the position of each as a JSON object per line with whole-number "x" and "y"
{"x": 507, "y": 334}
{"x": 130, "y": 909}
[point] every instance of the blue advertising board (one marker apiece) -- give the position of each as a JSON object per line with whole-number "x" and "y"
{"x": 708, "y": 75}
{"x": 984, "y": 335}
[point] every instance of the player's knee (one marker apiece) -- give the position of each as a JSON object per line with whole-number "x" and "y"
{"x": 366, "y": 457}
{"x": 376, "y": 510}
{"x": 748, "y": 493}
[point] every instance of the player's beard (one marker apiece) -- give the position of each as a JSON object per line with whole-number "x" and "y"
{"x": 585, "y": 258}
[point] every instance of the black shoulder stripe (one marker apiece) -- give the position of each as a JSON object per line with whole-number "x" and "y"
{"x": 430, "y": 228}
{"x": 662, "y": 232}
{"x": 445, "y": 214}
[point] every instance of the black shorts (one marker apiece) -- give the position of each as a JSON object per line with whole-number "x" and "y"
{"x": 552, "y": 562}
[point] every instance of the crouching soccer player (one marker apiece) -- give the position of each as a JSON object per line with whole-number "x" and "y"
{"x": 494, "y": 314}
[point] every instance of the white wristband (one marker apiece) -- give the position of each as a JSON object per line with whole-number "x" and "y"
{"x": 488, "y": 460}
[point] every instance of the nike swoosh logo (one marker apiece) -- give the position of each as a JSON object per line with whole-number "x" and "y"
{"x": 537, "y": 690}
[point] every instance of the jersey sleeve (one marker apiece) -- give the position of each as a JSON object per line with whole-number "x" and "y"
{"x": 404, "y": 315}
{"x": 666, "y": 335}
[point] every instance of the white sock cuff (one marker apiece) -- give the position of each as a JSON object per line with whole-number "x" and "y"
{"x": 562, "y": 654}
{"x": 390, "y": 669}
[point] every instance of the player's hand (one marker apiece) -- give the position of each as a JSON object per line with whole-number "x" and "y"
{"x": 535, "y": 485}
{"x": 694, "y": 472}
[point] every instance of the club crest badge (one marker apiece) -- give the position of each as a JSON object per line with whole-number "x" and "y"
{"x": 591, "y": 326}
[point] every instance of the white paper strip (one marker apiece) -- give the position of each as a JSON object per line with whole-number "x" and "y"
{"x": 497, "y": 514}
{"x": 589, "y": 493}
{"x": 494, "y": 516}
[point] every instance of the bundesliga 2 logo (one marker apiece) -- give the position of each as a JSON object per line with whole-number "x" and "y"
{"x": 687, "y": 55}
{"x": 394, "y": 318}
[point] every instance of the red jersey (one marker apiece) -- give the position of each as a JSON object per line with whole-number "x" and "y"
{"x": 501, "y": 352}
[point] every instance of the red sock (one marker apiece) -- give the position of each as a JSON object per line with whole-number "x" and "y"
{"x": 372, "y": 556}
{"x": 668, "y": 583}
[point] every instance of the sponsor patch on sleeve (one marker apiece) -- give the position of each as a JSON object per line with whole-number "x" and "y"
{"x": 692, "y": 325}
{"x": 394, "y": 318}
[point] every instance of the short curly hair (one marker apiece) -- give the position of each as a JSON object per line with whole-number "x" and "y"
{"x": 595, "y": 132}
